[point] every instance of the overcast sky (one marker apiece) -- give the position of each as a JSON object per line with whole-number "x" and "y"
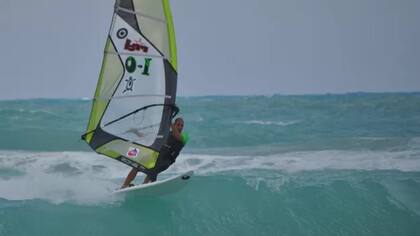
{"x": 54, "y": 48}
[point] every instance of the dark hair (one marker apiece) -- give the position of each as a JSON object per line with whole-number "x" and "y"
{"x": 177, "y": 119}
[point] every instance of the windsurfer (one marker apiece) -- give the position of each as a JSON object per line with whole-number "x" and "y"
{"x": 169, "y": 152}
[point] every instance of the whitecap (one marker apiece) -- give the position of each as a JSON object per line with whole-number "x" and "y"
{"x": 264, "y": 122}
{"x": 88, "y": 178}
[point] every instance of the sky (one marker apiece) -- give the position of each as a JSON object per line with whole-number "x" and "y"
{"x": 54, "y": 49}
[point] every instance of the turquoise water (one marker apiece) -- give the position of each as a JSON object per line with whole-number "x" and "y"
{"x": 265, "y": 165}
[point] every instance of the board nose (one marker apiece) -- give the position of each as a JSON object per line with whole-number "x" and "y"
{"x": 185, "y": 177}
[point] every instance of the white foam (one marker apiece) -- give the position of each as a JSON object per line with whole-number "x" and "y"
{"x": 277, "y": 123}
{"x": 79, "y": 181}
{"x": 87, "y": 177}
{"x": 302, "y": 161}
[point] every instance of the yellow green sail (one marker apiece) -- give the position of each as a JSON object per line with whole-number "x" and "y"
{"x": 135, "y": 95}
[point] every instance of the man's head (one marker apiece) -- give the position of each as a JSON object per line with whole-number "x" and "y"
{"x": 179, "y": 124}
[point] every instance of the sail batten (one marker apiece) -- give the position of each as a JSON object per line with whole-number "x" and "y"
{"x": 132, "y": 96}
{"x": 140, "y": 14}
{"x": 134, "y": 100}
{"x": 133, "y": 54}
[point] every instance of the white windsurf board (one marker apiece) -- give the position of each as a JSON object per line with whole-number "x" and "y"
{"x": 162, "y": 187}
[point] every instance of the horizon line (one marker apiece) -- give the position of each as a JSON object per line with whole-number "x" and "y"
{"x": 228, "y": 95}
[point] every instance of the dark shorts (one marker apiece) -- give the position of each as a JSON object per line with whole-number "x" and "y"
{"x": 162, "y": 164}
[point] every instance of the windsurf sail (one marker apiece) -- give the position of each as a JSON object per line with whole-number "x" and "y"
{"x": 134, "y": 100}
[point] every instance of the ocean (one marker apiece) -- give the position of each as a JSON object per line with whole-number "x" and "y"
{"x": 334, "y": 164}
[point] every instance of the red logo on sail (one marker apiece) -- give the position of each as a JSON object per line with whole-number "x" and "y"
{"x": 136, "y": 45}
{"x": 133, "y": 152}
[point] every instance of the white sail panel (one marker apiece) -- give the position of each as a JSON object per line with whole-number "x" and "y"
{"x": 135, "y": 96}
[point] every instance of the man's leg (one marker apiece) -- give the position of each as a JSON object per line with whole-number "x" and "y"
{"x": 130, "y": 177}
{"x": 150, "y": 178}
{"x": 162, "y": 164}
